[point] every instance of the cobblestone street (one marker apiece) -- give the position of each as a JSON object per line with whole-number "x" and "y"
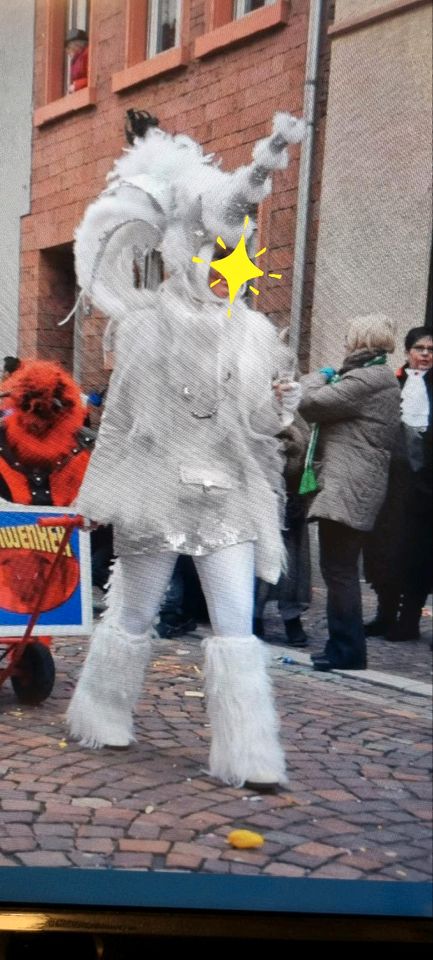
{"x": 358, "y": 747}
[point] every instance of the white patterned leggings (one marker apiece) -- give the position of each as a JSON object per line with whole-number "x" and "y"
{"x": 226, "y": 577}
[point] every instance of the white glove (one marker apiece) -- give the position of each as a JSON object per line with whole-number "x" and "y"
{"x": 291, "y": 395}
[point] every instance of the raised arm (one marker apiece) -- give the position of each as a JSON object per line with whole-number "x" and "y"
{"x": 323, "y": 402}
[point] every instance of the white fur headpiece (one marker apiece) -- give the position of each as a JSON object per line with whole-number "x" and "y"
{"x": 165, "y": 193}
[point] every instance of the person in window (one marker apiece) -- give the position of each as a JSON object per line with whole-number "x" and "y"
{"x": 398, "y": 555}
{"x": 77, "y": 49}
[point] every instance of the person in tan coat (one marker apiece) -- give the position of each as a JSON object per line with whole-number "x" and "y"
{"x": 356, "y": 413}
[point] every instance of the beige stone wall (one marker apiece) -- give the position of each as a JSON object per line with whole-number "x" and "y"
{"x": 16, "y": 69}
{"x": 375, "y": 215}
{"x": 356, "y": 8}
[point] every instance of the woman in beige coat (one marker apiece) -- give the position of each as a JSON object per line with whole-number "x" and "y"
{"x": 357, "y": 416}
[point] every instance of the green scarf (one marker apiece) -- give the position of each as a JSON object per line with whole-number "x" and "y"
{"x": 309, "y": 482}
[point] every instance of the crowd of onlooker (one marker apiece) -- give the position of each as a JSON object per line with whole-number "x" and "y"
{"x": 373, "y": 436}
{"x": 358, "y": 460}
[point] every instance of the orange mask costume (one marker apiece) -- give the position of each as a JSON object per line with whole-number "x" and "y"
{"x": 44, "y": 450}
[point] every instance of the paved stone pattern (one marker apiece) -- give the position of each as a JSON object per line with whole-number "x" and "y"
{"x": 357, "y": 806}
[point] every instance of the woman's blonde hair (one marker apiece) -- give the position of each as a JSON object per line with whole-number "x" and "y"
{"x": 373, "y": 332}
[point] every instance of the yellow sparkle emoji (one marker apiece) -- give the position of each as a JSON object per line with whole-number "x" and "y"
{"x": 237, "y": 268}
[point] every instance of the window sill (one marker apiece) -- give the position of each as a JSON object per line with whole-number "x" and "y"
{"x": 66, "y": 105}
{"x": 147, "y": 69}
{"x": 237, "y": 30}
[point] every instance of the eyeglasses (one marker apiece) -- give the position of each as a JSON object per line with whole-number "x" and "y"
{"x": 420, "y": 349}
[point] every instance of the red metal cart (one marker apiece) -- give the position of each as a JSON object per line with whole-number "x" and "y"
{"x": 29, "y": 661}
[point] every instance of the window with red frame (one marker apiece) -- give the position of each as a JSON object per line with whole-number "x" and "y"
{"x": 163, "y": 25}
{"x": 241, "y": 7}
{"x": 76, "y": 45}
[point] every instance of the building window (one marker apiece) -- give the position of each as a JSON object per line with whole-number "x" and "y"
{"x": 76, "y": 45}
{"x": 163, "y": 26}
{"x": 77, "y": 15}
{"x": 229, "y": 22}
{"x": 65, "y": 46}
{"x": 241, "y": 7}
{"x": 156, "y": 41}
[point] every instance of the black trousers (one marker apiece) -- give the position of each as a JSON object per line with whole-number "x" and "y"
{"x": 340, "y": 550}
{"x": 405, "y": 589}
{"x": 101, "y": 546}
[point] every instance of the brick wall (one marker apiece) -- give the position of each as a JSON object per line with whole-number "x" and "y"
{"x": 225, "y": 100}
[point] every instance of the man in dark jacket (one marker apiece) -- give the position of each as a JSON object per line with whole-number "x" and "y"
{"x": 398, "y": 556}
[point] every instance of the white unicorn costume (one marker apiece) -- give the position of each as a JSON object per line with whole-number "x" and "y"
{"x": 187, "y": 459}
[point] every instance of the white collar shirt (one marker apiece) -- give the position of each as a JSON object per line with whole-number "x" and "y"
{"x": 414, "y": 400}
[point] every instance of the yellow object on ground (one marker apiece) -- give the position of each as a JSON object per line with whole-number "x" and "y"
{"x": 242, "y": 839}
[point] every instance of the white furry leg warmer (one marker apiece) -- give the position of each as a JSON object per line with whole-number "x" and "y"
{"x": 100, "y": 712}
{"x": 245, "y": 744}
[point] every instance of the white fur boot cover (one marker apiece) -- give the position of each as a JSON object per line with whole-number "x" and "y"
{"x": 100, "y": 712}
{"x": 245, "y": 743}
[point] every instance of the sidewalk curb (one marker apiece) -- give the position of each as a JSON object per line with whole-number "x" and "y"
{"x": 405, "y": 684}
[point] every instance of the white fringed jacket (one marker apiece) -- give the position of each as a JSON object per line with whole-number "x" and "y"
{"x": 187, "y": 457}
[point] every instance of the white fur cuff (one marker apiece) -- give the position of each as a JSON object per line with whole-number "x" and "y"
{"x": 101, "y": 709}
{"x": 291, "y": 128}
{"x": 245, "y": 743}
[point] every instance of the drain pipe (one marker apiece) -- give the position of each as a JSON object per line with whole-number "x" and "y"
{"x": 305, "y": 173}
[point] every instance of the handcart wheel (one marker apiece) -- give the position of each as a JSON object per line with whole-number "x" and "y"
{"x": 35, "y": 679}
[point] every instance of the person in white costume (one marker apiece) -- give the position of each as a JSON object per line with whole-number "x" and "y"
{"x": 187, "y": 458}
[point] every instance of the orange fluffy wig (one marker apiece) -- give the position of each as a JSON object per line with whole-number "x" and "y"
{"x": 42, "y": 412}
